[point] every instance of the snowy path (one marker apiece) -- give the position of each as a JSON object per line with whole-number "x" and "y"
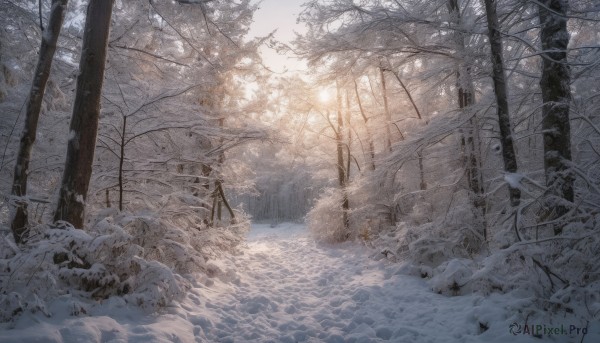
{"x": 287, "y": 288}
{"x": 291, "y": 289}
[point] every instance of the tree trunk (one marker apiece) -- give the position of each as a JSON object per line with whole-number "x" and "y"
{"x": 340, "y": 163}
{"x": 369, "y": 135}
{"x": 32, "y": 114}
{"x": 86, "y": 112}
{"x": 410, "y": 98}
{"x": 219, "y": 208}
{"x": 388, "y": 114}
{"x": 422, "y": 184}
{"x": 509, "y": 156}
{"x": 225, "y": 202}
{"x": 348, "y": 138}
{"x": 556, "y": 94}
{"x": 122, "y": 162}
{"x": 470, "y": 139}
{"x": 107, "y": 198}
{"x": 466, "y": 98}
{"x": 2, "y": 79}
{"x": 212, "y": 209}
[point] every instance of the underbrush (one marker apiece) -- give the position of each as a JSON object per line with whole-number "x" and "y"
{"x": 143, "y": 260}
{"x": 324, "y": 219}
{"x": 555, "y": 276}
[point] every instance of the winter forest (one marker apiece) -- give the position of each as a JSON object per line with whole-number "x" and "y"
{"x": 427, "y": 171}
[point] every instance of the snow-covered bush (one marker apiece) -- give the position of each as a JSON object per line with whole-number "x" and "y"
{"x": 429, "y": 237}
{"x": 451, "y": 276}
{"x": 325, "y": 219}
{"x": 61, "y": 260}
{"x": 140, "y": 258}
{"x": 58, "y": 260}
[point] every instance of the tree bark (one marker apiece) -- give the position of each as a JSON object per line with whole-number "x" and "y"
{"x": 388, "y": 114}
{"x": 86, "y": 112}
{"x": 348, "y": 138}
{"x": 556, "y": 95}
{"x": 470, "y": 140}
{"x": 212, "y": 209}
{"x": 2, "y": 78}
{"x": 32, "y": 113}
{"x": 422, "y": 184}
{"x": 225, "y": 202}
{"x": 509, "y": 156}
{"x": 122, "y": 162}
{"x": 340, "y": 163}
{"x": 466, "y": 98}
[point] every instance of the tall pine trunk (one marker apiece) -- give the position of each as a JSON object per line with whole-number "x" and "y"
{"x": 86, "y": 112}
{"x": 556, "y": 94}
{"x": 509, "y": 156}
{"x": 32, "y": 113}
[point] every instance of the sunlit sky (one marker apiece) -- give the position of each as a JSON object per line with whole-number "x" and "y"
{"x": 278, "y": 15}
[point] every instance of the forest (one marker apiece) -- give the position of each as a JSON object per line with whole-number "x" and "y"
{"x": 154, "y": 165}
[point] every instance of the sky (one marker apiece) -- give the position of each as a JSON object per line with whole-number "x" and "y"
{"x": 278, "y": 15}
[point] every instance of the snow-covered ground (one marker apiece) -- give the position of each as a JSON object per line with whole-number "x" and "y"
{"x": 287, "y": 288}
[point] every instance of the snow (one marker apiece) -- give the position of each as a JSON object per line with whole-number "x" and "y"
{"x": 47, "y": 36}
{"x": 285, "y": 287}
{"x": 513, "y": 179}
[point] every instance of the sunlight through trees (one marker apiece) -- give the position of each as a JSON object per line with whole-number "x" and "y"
{"x": 140, "y": 139}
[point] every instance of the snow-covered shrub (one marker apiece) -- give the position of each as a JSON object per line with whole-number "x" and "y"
{"x": 163, "y": 243}
{"x": 138, "y": 258}
{"x": 8, "y": 248}
{"x": 10, "y": 306}
{"x": 59, "y": 260}
{"x": 185, "y": 248}
{"x": 429, "y": 250}
{"x": 422, "y": 212}
{"x": 429, "y": 239}
{"x": 451, "y": 276}
{"x": 155, "y": 285}
{"x": 372, "y": 212}
{"x": 325, "y": 221}
{"x": 558, "y": 274}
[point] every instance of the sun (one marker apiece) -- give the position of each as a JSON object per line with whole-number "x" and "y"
{"x": 324, "y": 95}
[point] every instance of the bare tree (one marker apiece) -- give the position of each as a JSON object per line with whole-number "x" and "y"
{"x": 388, "y": 115}
{"x": 470, "y": 141}
{"x": 339, "y": 139}
{"x": 125, "y": 137}
{"x": 368, "y": 130}
{"x": 86, "y": 112}
{"x": 506, "y": 139}
{"x": 556, "y": 95}
{"x": 32, "y": 113}
{"x": 218, "y": 195}
{"x": 422, "y": 183}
